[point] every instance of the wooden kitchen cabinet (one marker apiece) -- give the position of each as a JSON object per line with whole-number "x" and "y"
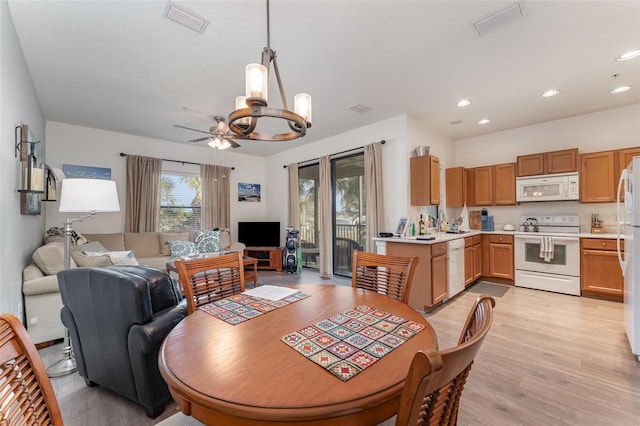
{"x": 598, "y": 183}
{"x": 600, "y": 274}
{"x": 429, "y": 285}
{"x": 483, "y": 186}
{"x": 472, "y": 259}
{"x": 500, "y": 257}
{"x": 624, "y": 158}
{"x": 563, "y": 161}
{"x": 425, "y": 180}
{"x": 505, "y": 184}
{"x": 439, "y": 275}
{"x": 456, "y": 186}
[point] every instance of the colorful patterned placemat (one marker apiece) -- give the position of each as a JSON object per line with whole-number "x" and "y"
{"x": 241, "y": 307}
{"x": 351, "y": 341}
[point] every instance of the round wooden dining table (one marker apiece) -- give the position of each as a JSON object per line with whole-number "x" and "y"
{"x": 223, "y": 374}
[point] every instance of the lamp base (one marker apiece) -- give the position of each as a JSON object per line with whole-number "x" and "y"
{"x": 62, "y": 367}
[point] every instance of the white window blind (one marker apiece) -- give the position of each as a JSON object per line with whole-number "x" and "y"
{"x": 180, "y": 201}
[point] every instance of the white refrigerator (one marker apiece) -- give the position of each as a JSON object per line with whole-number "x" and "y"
{"x": 628, "y": 218}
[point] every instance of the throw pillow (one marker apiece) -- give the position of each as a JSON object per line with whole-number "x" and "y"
{"x": 92, "y": 246}
{"x": 83, "y": 260}
{"x": 207, "y": 241}
{"x": 165, "y": 237}
{"x": 122, "y": 257}
{"x": 182, "y": 248}
{"x": 49, "y": 258}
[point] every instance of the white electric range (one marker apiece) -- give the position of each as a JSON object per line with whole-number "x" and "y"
{"x": 549, "y": 259}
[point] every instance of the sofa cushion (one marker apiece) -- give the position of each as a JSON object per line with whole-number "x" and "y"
{"x": 207, "y": 241}
{"x": 182, "y": 248}
{"x": 164, "y": 237}
{"x": 143, "y": 244}
{"x": 159, "y": 262}
{"x": 92, "y": 260}
{"x": 92, "y": 246}
{"x": 42, "y": 285}
{"x": 112, "y": 242}
{"x": 50, "y": 258}
{"x": 224, "y": 239}
{"x": 126, "y": 257}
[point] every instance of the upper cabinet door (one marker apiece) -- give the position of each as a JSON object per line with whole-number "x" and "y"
{"x": 564, "y": 161}
{"x": 530, "y": 165}
{"x": 425, "y": 180}
{"x": 598, "y": 183}
{"x": 505, "y": 184}
{"x": 456, "y": 186}
{"x": 483, "y": 183}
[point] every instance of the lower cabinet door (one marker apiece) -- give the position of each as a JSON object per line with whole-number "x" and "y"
{"x": 438, "y": 278}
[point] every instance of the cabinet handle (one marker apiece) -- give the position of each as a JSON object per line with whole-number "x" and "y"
{"x": 500, "y": 238}
{"x": 604, "y": 244}
{"x": 585, "y": 253}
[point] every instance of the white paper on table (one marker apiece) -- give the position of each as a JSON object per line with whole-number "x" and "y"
{"x": 271, "y": 292}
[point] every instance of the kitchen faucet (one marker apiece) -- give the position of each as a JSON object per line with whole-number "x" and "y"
{"x": 441, "y": 219}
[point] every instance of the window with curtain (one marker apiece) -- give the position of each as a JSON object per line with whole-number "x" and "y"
{"x": 180, "y": 201}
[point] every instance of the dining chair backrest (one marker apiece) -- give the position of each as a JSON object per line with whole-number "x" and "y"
{"x": 209, "y": 279}
{"x": 389, "y": 275}
{"x": 431, "y": 394}
{"x": 26, "y": 394}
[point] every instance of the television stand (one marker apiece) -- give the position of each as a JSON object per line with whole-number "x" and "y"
{"x": 268, "y": 257}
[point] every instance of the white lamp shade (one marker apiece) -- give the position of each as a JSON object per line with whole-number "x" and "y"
{"x": 302, "y": 105}
{"x": 256, "y": 81}
{"x": 87, "y": 195}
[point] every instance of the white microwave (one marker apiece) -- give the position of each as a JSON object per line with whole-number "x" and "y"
{"x": 559, "y": 187}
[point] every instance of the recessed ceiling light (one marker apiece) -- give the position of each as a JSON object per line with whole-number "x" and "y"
{"x": 464, "y": 103}
{"x": 484, "y": 121}
{"x": 550, "y": 93}
{"x": 628, "y": 55}
{"x": 620, "y": 89}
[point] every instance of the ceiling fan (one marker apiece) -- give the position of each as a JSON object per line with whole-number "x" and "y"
{"x": 219, "y": 135}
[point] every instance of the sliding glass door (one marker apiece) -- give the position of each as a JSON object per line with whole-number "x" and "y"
{"x": 349, "y": 206}
{"x": 348, "y": 212}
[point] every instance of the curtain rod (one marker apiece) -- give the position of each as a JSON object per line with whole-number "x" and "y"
{"x": 122, "y": 154}
{"x": 334, "y": 154}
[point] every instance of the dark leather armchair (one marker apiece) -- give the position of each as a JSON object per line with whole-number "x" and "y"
{"x": 117, "y": 319}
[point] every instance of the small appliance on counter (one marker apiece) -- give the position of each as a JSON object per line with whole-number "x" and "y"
{"x": 487, "y": 221}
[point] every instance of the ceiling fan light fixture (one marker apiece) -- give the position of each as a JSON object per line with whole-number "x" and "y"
{"x": 628, "y": 55}
{"x": 244, "y": 119}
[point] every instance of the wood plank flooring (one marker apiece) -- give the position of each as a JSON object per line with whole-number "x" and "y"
{"x": 549, "y": 359}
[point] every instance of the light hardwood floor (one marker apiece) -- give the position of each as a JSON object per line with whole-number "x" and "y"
{"x": 549, "y": 359}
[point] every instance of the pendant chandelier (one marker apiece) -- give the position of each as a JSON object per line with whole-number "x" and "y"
{"x": 254, "y": 104}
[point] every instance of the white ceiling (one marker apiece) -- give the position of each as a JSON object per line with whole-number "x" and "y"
{"x": 121, "y": 66}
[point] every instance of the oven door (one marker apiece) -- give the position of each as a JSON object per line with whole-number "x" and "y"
{"x": 566, "y": 255}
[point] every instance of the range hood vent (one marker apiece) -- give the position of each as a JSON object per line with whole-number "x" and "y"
{"x": 509, "y": 14}
{"x": 184, "y": 16}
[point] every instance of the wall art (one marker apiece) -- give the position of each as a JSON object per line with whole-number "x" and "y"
{"x": 249, "y": 192}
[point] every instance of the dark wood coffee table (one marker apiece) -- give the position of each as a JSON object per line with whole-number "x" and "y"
{"x": 250, "y": 269}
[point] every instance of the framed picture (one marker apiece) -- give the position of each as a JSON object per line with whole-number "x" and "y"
{"x": 30, "y": 203}
{"x": 401, "y": 229}
{"x": 249, "y": 192}
{"x": 72, "y": 171}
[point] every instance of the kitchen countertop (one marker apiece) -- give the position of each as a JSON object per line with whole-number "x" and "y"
{"x": 443, "y": 236}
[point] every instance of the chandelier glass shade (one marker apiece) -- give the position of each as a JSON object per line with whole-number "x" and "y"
{"x": 254, "y": 105}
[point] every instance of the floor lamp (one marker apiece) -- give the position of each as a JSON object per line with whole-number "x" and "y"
{"x": 80, "y": 196}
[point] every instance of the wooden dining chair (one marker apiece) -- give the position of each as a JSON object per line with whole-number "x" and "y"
{"x": 211, "y": 278}
{"x": 389, "y": 275}
{"x": 431, "y": 394}
{"x": 26, "y": 394}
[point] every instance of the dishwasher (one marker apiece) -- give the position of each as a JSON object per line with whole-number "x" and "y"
{"x": 455, "y": 283}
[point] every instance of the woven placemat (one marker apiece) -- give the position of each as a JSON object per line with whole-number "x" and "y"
{"x": 240, "y": 307}
{"x": 347, "y": 343}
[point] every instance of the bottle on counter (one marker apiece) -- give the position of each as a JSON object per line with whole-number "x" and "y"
{"x": 421, "y": 228}
{"x": 413, "y": 229}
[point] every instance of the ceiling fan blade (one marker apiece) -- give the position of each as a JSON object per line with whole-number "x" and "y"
{"x": 233, "y": 143}
{"x": 199, "y": 140}
{"x": 189, "y": 128}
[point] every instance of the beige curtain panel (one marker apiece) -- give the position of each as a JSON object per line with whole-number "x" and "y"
{"x": 324, "y": 219}
{"x": 143, "y": 194}
{"x": 216, "y": 202}
{"x": 373, "y": 185}
{"x": 294, "y": 197}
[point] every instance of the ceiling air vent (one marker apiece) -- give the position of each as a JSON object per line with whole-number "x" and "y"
{"x": 184, "y": 16}
{"x": 509, "y": 14}
{"x": 360, "y": 108}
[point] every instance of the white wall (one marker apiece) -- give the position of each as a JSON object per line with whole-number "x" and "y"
{"x": 19, "y": 234}
{"x": 68, "y": 144}
{"x": 600, "y": 131}
{"x": 401, "y": 135}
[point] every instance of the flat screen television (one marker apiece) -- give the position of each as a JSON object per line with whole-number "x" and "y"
{"x": 259, "y": 234}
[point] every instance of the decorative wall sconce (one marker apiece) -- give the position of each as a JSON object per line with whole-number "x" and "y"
{"x": 32, "y": 174}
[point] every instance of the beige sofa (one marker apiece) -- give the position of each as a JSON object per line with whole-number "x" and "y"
{"x": 42, "y": 302}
